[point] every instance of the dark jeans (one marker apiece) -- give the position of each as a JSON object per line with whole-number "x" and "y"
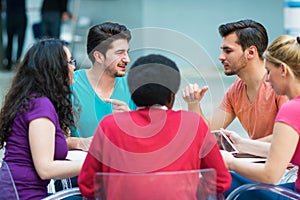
{"x": 59, "y": 186}
{"x": 15, "y": 27}
{"x": 238, "y": 180}
{"x": 50, "y": 24}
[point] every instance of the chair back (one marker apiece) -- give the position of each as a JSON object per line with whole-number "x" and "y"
{"x": 263, "y": 191}
{"x": 71, "y": 193}
{"x": 183, "y": 185}
{"x": 290, "y": 176}
{"x": 7, "y": 186}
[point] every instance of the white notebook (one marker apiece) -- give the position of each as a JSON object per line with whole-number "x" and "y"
{"x": 76, "y": 155}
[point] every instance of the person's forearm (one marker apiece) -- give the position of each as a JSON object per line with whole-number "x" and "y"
{"x": 266, "y": 138}
{"x": 254, "y": 171}
{"x": 60, "y": 169}
{"x": 74, "y": 143}
{"x": 254, "y": 147}
{"x": 195, "y": 107}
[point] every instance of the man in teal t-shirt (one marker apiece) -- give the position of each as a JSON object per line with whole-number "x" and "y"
{"x": 101, "y": 89}
{"x": 93, "y": 108}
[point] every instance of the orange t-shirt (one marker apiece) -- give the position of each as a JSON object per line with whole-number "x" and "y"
{"x": 256, "y": 117}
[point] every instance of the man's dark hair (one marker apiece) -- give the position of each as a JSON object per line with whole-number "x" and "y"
{"x": 102, "y": 35}
{"x": 249, "y": 33}
{"x": 152, "y": 80}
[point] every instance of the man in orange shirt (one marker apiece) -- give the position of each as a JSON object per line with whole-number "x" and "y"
{"x": 250, "y": 98}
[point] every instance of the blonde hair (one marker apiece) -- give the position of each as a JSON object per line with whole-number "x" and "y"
{"x": 285, "y": 49}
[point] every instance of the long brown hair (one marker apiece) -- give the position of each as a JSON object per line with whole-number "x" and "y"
{"x": 43, "y": 72}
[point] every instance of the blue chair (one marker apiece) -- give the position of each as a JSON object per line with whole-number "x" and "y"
{"x": 278, "y": 191}
{"x": 7, "y": 185}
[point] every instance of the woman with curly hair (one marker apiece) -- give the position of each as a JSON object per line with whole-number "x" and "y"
{"x": 35, "y": 119}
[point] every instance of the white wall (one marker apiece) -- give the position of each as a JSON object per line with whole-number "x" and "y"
{"x": 198, "y": 19}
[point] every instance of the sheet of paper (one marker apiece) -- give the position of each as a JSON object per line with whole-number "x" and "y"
{"x": 253, "y": 160}
{"x": 76, "y": 155}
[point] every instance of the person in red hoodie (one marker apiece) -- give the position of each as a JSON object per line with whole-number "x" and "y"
{"x": 153, "y": 138}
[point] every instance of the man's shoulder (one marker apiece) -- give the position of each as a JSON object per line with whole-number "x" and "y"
{"x": 237, "y": 86}
{"x": 188, "y": 116}
{"x": 80, "y": 72}
{"x": 79, "y": 77}
{"x": 122, "y": 79}
{"x": 238, "y": 81}
{"x": 185, "y": 116}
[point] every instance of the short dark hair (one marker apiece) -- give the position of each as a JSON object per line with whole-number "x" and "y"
{"x": 152, "y": 80}
{"x": 249, "y": 33}
{"x": 101, "y": 36}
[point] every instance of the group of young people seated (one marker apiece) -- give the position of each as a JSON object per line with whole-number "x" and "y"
{"x": 124, "y": 118}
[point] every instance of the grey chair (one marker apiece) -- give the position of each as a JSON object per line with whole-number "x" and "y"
{"x": 7, "y": 185}
{"x": 8, "y": 189}
{"x": 275, "y": 189}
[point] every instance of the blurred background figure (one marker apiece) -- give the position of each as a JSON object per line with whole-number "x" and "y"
{"x": 16, "y": 23}
{"x": 53, "y": 12}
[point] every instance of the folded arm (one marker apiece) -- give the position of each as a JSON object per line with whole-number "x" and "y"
{"x": 77, "y": 143}
{"x": 42, "y": 150}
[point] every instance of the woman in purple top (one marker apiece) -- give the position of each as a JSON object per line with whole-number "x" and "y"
{"x": 35, "y": 119}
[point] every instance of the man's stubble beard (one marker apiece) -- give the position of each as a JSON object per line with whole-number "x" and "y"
{"x": 231, "y": 73}
{"x": 114, "y": 72}
{"x": 120, "y": 74}
{"x": 242, "y": 64}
